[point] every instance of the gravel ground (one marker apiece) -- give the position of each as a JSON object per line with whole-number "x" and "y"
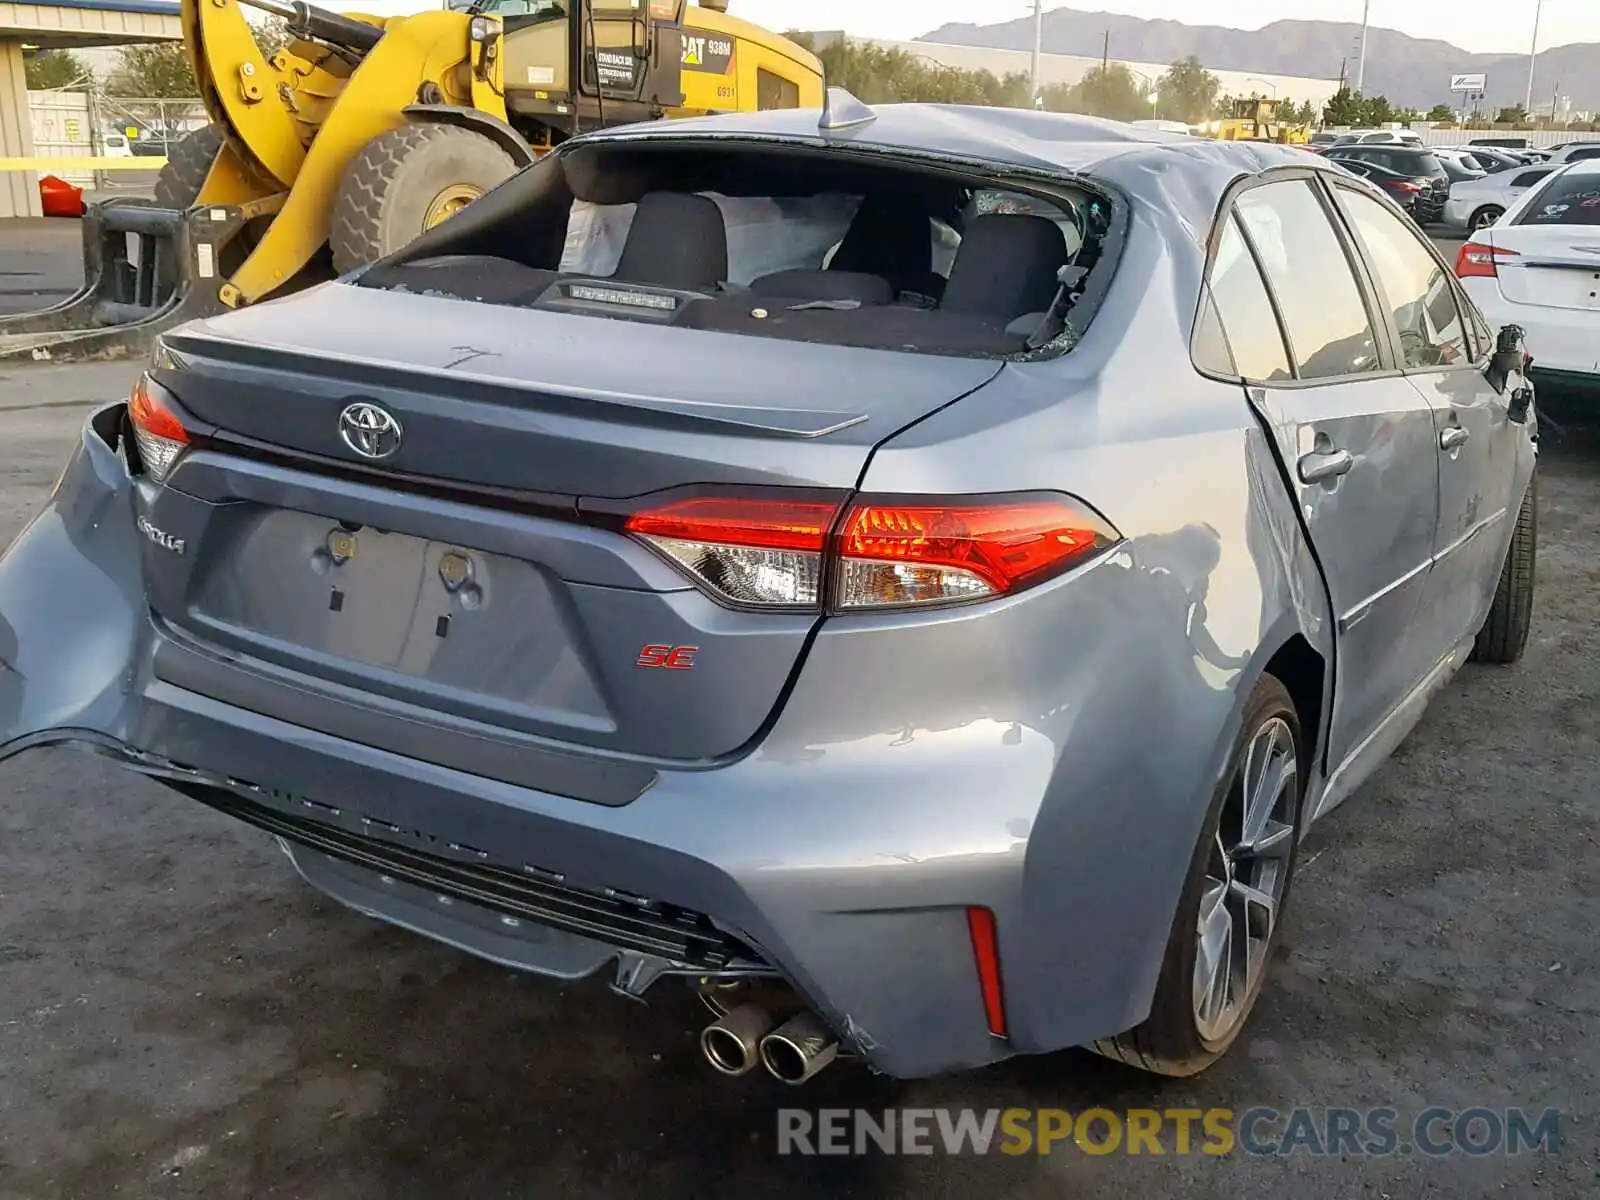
{"x": 180, "y": 1016}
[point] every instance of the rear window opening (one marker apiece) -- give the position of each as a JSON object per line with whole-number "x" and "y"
{"x": 839, "y": 247}
{"x": 1568, "y": 199}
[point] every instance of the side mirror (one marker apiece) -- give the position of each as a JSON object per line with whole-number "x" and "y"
{"x": 1508, "y": 357}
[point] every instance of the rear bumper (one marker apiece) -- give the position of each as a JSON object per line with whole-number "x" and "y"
{"x": 1563, "y": 342}
{"x": 1457, "y": 212}
{"x": 840, "y": 853}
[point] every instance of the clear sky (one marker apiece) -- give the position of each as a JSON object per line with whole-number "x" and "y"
{"x": 1479, "y": 25}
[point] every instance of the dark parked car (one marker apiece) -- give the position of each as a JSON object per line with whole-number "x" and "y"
{"x": 1422, "y": 168}
{"x": 1495, "y": 161}
{"x": 1412, "y": 193}
{"x": 670, "y": 569}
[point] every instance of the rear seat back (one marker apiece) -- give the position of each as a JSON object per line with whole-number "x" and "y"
{"x": 1007, "y": 268}
{"x": 677, "y": 240}
{"x": 825, "y": 285}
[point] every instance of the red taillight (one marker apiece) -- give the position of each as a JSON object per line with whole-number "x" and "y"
{"x": 1475, "y": 260}
{"x": 986, "y": 956}
{"x": 775, "y": 552}
{"x": 1405, "y": 185}
{"x": 759, "y": 551}
{"x": 159, "y": 433}
{"x": 758, "y": 523}
{"x": 894, "y": 553}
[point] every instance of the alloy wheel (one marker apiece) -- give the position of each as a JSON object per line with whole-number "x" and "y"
{"x": 1247, "y": 872}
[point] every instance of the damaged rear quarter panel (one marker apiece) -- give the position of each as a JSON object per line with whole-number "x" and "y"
{"x": 71, "y": 599}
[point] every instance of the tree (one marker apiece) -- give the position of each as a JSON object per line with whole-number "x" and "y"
{"x": 887, "y": 76}
{"x": 272, "y": 35}
{"x": 157, "y": 71}
{"x": 1442, "y": 114}
{"x": 1515, "y": 115}
{"x": 56, "y": 69}
{"x": 1187, "y": 92}
{"x": 1305, "y": 113}
{"x": 1377, "y": 110}
{"x": 1106, "y": 91}
{"x": 1343, "y": 108}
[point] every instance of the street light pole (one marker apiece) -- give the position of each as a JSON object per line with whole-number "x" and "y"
{"x": 1533, "y": 57}
{"x": 1263, "y": 83}
{"x": 1361, "y": 60}
{"x": 1038, "y": 43}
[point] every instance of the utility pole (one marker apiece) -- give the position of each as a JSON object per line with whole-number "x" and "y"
{"x": 1343, "y": 64}
{"x": 1361, "y": 61}
{"x": 1038, "y": 44}
{"x": 1533, "y": 56}
{"x": 1105, "y": 55}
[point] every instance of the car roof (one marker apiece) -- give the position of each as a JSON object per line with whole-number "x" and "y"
{"x": 1184, "y": 173}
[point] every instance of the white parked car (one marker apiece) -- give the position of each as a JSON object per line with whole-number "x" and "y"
{"x": 1379, "y": 137}
{"x": 1576, "y": 152}
{"x": 1538, "y": 267}
{"x": 1478, "y": 203}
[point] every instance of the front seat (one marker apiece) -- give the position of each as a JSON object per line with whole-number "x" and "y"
{"x": 1008, "y": 267}
{"x": 677, "y": 240}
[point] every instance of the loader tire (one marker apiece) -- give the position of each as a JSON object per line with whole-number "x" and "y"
{"x": 406, "y": 180}
{"x": 188, "y": 163}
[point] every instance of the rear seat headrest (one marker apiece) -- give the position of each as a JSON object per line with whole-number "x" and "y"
{"x": 1007, "y": 266}
{"x": 676, "y": 240}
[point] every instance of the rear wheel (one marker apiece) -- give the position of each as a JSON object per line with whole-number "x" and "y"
{"x": 1505, "y": 633}
{"x": 188, "y": 163}
{"x": 405, "y": 182}
{"x": 1485, "y": 217}
{"x": 1229, "y": 914}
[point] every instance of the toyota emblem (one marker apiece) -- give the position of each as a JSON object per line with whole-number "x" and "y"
{"x": 370, "y": 431}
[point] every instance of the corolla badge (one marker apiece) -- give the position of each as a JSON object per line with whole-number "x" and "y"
{"x": 370, "y": 431}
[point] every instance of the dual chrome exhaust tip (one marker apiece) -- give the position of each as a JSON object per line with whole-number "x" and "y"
{"x": 792, "y": 1052}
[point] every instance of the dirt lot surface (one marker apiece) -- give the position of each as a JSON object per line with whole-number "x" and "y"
{"x": 181, "y": 1016}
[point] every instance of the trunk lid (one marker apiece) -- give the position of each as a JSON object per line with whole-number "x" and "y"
{"x": 484, "y": 615}
{"x": 551, "y": 402}
{"x": 1553, "y": 266}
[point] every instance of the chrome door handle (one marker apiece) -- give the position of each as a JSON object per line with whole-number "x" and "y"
{"x": 1316, "y": 467}
{"x": 1454, "y": 436}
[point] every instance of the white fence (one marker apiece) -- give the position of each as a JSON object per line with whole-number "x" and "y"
{"x": 1448, "y": 136}
{"x": 63, "y": 127}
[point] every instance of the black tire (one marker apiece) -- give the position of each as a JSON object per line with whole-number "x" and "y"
{"x": 188, "y": 163}
{"x": 1487, "y": 215}
{"x": 1504, "y": 635}
{"x": 1170, "y": 1041}
{"x": 389, "y": 188}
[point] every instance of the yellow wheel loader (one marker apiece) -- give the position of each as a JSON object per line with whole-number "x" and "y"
{"x": 362, "y": 132}
{"x": 1256, "y": 120}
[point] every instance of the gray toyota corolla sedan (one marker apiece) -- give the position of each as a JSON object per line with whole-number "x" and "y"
{"x": 911, "y": 576}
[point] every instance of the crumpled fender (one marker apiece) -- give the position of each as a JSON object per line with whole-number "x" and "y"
{"x": 72, "y": 602}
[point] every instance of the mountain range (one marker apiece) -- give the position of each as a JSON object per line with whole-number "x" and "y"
{"x": 1411, "y": 72}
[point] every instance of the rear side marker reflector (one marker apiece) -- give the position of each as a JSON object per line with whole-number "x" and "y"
{"x": 885, "y": 552}
{"x": 986, "y": 957}
{"x": 159, "y": 434}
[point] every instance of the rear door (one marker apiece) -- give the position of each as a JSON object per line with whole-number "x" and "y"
{"x": 1441, "y": 355}
{"x": 1355, "y": 438}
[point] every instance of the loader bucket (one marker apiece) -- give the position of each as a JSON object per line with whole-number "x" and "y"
{"x": 145, "y": 269}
